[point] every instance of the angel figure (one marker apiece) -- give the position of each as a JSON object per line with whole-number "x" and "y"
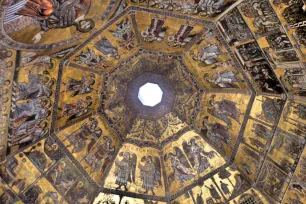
{"x": 102, "y": 156}
{"x": 106, "y": 47}
{"x": 208, "y": 55}
{"x": 125, "y": 34}
{"x": 82, "y": 86}
{"x": 29, "y": 131}
{"x": 180, "y": 165}
{"x": 223, "y": 79}
{"x": 38, "y": 85}
{"x": 197, "y": 155}
{"x": 36, "y": 60}
{"x": 80, "y": 194}
{"x": 62, "y": 177}
{"x": 156, "y": 31}
{"x": 87, "y": 132}
{"x": 224, "y": 110}
{"x": 181, "y": 37}
{"x": 34, "y": 109}
{"x": 75, "y": 110}
{"x": 217, "y": 132}
{"x": 90, "y": 58}
{"x": 270, "y": 108}
{"x": 150, "y": 173}
{"x": 125, "y": 169}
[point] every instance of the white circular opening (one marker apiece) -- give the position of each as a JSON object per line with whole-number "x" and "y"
{"x": 150, "y": 94}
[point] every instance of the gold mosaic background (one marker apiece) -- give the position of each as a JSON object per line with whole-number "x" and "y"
{"x": 236, "y": 133}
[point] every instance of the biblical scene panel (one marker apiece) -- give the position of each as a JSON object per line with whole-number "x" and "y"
{"x": 293, "y": 119}
{"x": 212, "y": 65}
{"x": 267, "y": 109}
{"x": 252, "y": 195}
{"x": 116, "y": 43}
{"x": 272, "y": 181}
{"x": 189, "y": 158}
{"x": 92, "y": 143}
{"x": 33, "y": 98}
{"x": 171, "y": 35}
{"x": 220, "y": 188}
{"x": 220, "y": 118}
{"x": 79, "y": 95}
{"x": 137, "y": 170}
{"x": 115, "y": 199}
{"x": 194, "y": 8}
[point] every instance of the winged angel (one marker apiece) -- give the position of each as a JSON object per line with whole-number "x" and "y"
{"x": 125, "y": 169}
{"x": 150, "y": 173}
{"x": 224, "y": 110}
{"x": 125, "y": 34}
{"x": 182, "y": 168}
{"x": 216, "y": 132}
{"x": 197, "y": 156}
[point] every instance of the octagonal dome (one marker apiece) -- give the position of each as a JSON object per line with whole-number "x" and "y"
{"x": 150, "y": 94}
{"x": 206, "y": 95}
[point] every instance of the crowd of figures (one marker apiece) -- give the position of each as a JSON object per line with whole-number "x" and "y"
{"x": 220, "y": 188}
{"x": 58, "y": 171}
{"x": 293, "y": 110}
{"x": 185, "y": 168}
{"x": 31, "y": 99}
{"x": 226, "y": 112}
{"x": 280, "y": 52}
{"x": 258, "y": 68}
{"x": 125, "y": 37}
{"x": 203, "y": 8}
{"x": 73, "y": 109}
{"x": 277, "y": 54}
{"x": 294, "y": 15}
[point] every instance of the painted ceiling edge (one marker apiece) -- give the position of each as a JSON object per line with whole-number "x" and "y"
{"x": 234, "y": 133}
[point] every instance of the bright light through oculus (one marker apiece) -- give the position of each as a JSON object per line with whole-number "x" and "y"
{"x": 150, "y": 94}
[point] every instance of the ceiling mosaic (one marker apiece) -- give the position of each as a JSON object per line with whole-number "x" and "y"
{"x": 229, "y": 126}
